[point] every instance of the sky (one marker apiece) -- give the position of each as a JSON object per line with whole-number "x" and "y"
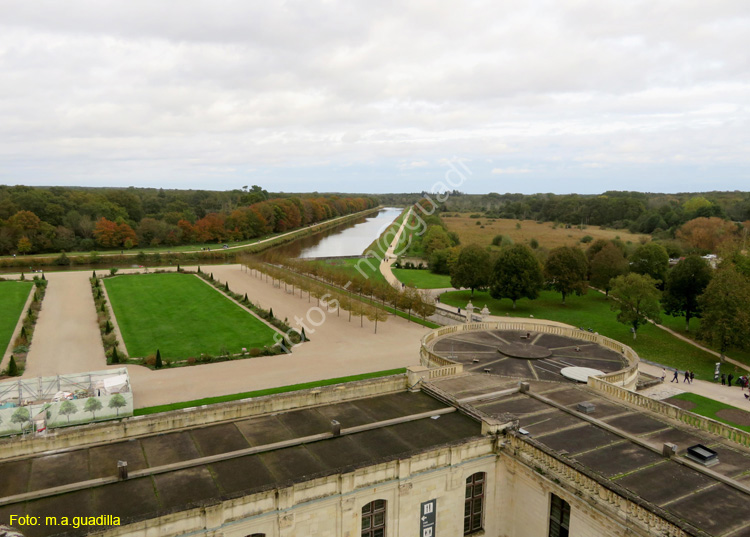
{"x": 377, "y": 96}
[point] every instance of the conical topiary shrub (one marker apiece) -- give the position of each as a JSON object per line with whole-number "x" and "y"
{"x": 158, "y": 364}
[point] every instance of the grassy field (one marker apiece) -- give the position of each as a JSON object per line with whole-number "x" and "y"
{"x": 546, "y": 233}
{"x": 268, "y": 391}
{"x": 349, "y": 267}
{"x": 678, "y": 325}
{"x": 422, "y": 279}
{"x": 593, "y": 311}
{"x": 181, "y": 316}
{"x": 13, "y": 295}
{"x": 709, "y": 408}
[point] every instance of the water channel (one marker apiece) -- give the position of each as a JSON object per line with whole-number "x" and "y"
{"x": 348, "y": 239}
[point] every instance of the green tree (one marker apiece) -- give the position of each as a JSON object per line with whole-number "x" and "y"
{"x": 20, "y": 416}
{"x": 606, "y": 264}
{"x": 92, "y": 405}
{"x": 650, "y": 259}
{"x": 472, "y": 268}
{"x": 565, "y": 271}
{"x": 637, "y": 300}
{"x": 158, "y": 363}
{"x": 67, "y": 408}
{"x": 115, "y": 355}
{"x": 725, "y": 319}
{"x": 516, "y": 274}
{"x": 12, "y": 367}
{"x": 117, "y": 402}
{"x": 686, "y": 282}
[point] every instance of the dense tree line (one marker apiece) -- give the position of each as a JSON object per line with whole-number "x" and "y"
{"x": 639, "y": 212}
{"x": 37, "y": 220}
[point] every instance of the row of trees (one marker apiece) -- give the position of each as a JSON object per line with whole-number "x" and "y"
{"x": 350, "y": 287}
{"x": 53, "y": 220}
{"x": 643, "y": 284}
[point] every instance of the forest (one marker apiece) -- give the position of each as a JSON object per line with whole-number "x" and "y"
{"x": 62, "y": 219}
{"x": 660, "y": 214}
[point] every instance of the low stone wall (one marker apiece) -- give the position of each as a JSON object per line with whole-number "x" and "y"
{"x": 626, "y": 377}
{"x": 194, "y": 417}
{"x": 694, "y": 420}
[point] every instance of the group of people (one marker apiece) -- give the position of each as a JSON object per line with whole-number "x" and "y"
{"x": 742, "y": 381}
{"x": 689, "y": 376}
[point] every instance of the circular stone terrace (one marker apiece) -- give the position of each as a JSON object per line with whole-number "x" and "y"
{"x": 533, "y": 351}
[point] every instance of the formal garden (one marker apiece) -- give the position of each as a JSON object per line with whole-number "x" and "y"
{"x": 184, "y": 319}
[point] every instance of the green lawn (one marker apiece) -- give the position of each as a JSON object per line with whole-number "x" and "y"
{"x": 593, "y": 311}
{"x": 708, "y": 408}
{"x": 678, "y": 325}
{"x": 349, "y": 267}
{"x": 13, "y": 295}
{"x": 181, "y": 316}
{"x": 422, "y": 279}
{"x": 268, "y": 391}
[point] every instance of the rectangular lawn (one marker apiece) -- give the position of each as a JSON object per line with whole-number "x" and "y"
{"x": 13, "y": 295}
{"x": 181, "y": 316}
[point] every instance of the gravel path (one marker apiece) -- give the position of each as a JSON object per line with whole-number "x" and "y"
{"x": 66, "y": 339}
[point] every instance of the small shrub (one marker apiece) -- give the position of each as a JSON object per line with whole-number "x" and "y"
{"x": 587, "y": 239}
{"x": 518, "y": 225}
{"x": 191, "y": 361}
{"x": 479, "y": 222}
{"x": 12, "y": 367}
{"x": 113, "y": 271}
{"x": 534, "y": 243}
{"x": 254, "y": 352}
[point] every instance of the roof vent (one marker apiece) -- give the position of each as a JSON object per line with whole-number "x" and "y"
{"x": 586, "y": 407}
{"x": 669, "y": 450}
{"x": 702, "y": 455}
{"x": 335, "y": 428}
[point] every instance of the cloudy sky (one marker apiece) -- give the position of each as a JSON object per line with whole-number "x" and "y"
{"x": 377, "y": 96}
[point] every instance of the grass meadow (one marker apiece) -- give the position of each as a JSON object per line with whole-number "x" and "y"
{"x": 422, "y": 278}
{"x": 13, "y": 295}
{"x": 181, "y": 316}
{"x": 593, "y": 311}
{"x": 548, "y": 235}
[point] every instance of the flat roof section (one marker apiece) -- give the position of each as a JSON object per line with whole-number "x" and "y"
{"x": 697, "y": 497}
{"x": 179, "y": 489}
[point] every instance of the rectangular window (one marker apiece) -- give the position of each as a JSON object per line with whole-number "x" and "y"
{"x": 559, "y": 517}
{"x": 474, "y": 503}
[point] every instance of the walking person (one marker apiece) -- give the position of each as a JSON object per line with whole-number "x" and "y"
{"x": 692, "y": 376}
{"x": 675, "y": 378}
{"x": 729, "y": 379}
{"x": 687, "y": 377}
{"x": 723, "y": 379}
{"x": 663, "y": 370}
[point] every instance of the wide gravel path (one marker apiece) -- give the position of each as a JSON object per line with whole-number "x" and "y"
{"x": 66, "y": 339}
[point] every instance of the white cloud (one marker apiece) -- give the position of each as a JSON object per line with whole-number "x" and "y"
{"x": 119, "y": 92}
{"x": 510, "y": 171}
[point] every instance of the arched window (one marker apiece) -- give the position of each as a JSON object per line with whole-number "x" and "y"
{"x": 474, "y": 503}
{"x": 559, "y": 517}
{"x": 373, "y": 519}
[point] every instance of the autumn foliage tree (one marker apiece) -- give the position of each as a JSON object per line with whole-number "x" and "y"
{"x": 706, "y": 234}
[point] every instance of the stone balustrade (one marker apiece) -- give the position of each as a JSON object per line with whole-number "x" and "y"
{"x": 688, "y": 418}
{"x": 646, "y": 516}
{"x": 626, "y": 377}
